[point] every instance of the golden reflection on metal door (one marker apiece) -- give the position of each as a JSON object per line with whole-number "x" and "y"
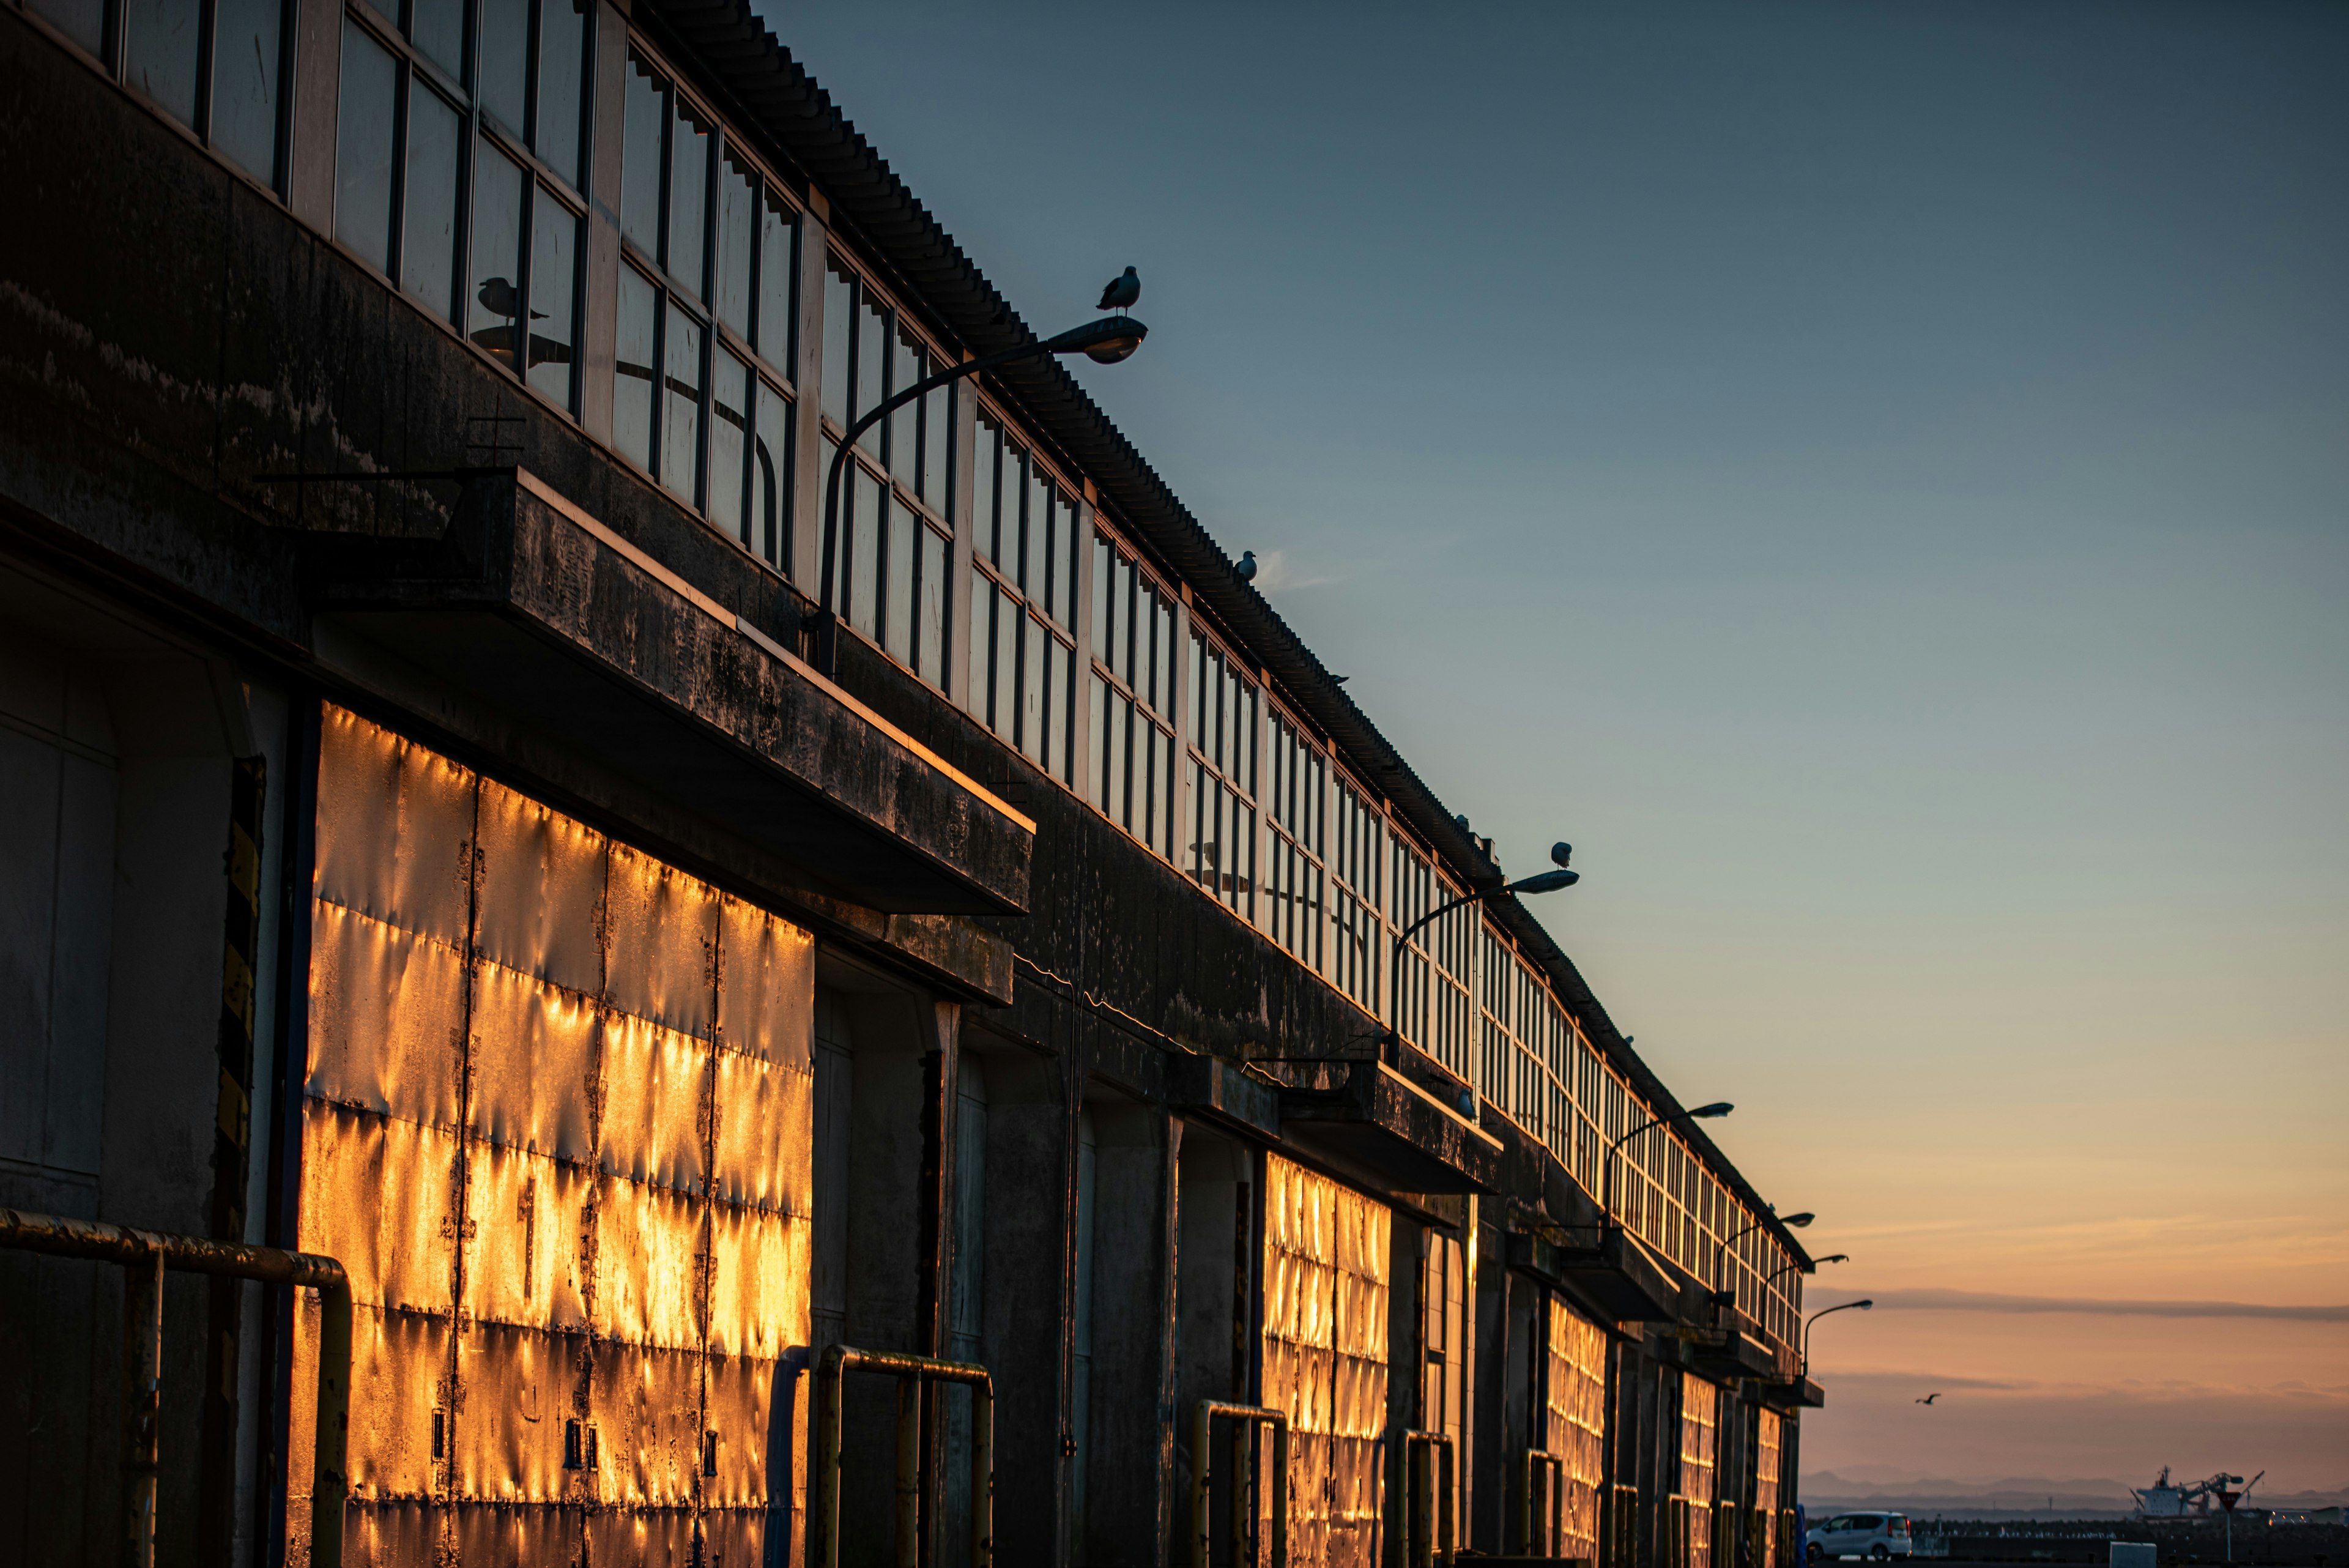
{"x": 557, "y": 1126}
{"x": 1325, "y": 1359}
{"x": 1700, "y": 1404}
{"x": 1576, "y": 1394}
{"x": 1765, "y": 1488}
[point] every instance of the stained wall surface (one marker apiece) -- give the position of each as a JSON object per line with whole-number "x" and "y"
{"x": 1575, "y": 1392}
{"x": 1325, "y": 1359}
{"x": 558, "y": 1126}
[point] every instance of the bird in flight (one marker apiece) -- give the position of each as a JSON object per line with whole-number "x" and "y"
{"x": 1121, "y": 291}
{"x": 1928, "y": 1399}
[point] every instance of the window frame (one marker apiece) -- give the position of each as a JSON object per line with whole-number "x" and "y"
{"x": 1110, "y": 680}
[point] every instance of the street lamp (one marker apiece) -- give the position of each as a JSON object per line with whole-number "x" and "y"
{"x": 1540, "y": 882}
{"x": 1792, "y": 1223}
{"x": 1789, "y": 1268}
{"x": 1606, "y": 1199}
{"x": 1861, "y": 1305}
{"x": 1105, "y": 342}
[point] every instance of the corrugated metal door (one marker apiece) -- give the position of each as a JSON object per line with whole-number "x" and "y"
{"x": 1576, "y": 1394}
{"x": 1325, "y": 1359}
{"x": 557, "y": 1126}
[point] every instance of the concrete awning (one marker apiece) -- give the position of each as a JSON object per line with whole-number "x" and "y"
{"x": 1616, "y": 1279}
{"x": 538, "y": 611}
{"x": 1798, "y": 1393}
{"x": 1379, "y": 1129}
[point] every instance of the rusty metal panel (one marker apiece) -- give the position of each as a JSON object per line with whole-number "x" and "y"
{"x": 1699, "y": 1407}
{"x": 662, "y": 935}
{"x": 1576, "y": 1401}
{"x": 1325, "y": 1358}
{"x": 766, "y": 987}
{"x": 390, "y": 1008}
{"x": 395, "y": 835}
{"x": 588, "y": 1218}
{"x": 534, "y": 1062}
{"x": 542, "y": 893}
{"x": 656, "y": 1101}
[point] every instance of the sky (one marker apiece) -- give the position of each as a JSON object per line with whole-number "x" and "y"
{"x": 1876, "y": 479}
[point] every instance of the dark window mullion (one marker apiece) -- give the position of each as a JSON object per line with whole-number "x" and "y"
{"x": 395, "y": 246}
{"x": 524, "y": 266}
{"x": 528, "y": 128}
{"x": 207, "y": 20}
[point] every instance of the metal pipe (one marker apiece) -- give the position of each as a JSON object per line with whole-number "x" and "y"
{"x": 1428, "y": 1508}
{"x": 1552, "y": 1466}
{"x": 1244, "y": 1417}
{"x": 147, "y": 1253}
{"x": 913, "y": 1371}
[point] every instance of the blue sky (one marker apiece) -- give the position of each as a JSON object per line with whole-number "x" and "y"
{"x": 1876, "y": 479}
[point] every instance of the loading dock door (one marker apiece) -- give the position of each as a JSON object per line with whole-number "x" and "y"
{"x": 1325, "y": 1359}
{"x": 1575, "y": 1395}
{"x": 557, "y": 1124}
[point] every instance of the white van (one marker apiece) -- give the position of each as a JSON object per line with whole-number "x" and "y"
{"x": 1878, "y": 1535}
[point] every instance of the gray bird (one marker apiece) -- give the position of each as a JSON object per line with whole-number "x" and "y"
{"x": 499, "y": 297}
{"x": 1246, "y": 568}
{"x": 1121, "y": 291}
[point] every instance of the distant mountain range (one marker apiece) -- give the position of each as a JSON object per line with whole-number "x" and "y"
{"x": 2012, "y": 1497}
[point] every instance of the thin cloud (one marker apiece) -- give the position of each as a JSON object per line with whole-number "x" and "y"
{"x": 2101, "y": 1306}
{"x": 1273, "y": 575}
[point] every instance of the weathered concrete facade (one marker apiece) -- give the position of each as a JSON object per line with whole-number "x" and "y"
{"x": 431, "y": 844}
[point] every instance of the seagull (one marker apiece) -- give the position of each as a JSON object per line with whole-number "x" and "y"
{"x": 1928, "y": 1399}
{"x": 499, "y": 297}
{"x": 1246, "y": 568}
{"x": 1121, "y": 291}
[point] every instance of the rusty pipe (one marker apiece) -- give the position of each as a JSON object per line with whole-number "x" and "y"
{"x": 1552, "y": 1469}
{"x": 1428, "y": 1477}
{"x": 913, "y": 1371}
{"x": 1202, "y": 1419}
{"x": 154, "y": 1250}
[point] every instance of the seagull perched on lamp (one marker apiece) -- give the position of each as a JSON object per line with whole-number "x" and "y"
{"x": 1121, "y": 291}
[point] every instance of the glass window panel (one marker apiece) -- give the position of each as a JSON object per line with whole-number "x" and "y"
{"x": 938, "y": 426}
{"x": 1101, "y": 598}
{"x": 640, "y": 157}
{"x": 839, "y": 340}
{"x": 632, "y": 381}
{"x": 1062, "y": 697}
{"x": 905, "y": 361}
{"x": 930, "y": 630}
{"x": 872, "y": 344}
{"x": 1097, "y": 698}
{"x": 158, "y": 53}
{"x": 83, "y": 21}
{"x": 1115, "y": 751}
{"x": 779, "y": 271}
{"x": 865, "y": 553}
{"x": 689, "y": 197}
{"x": 1123, "y": 591}
{"x": 770, "y": 484}
{"x": 553, "y": 290}
{"x": 562, "y": 57}
{"x": 1007, "y": 664}
{"x": 680, "y": 442}
{"x": 428, "y": 240}
{"x": 729, "y": 424}
{"x": 503, "y": 67}
{"x": 437, "y": 27}
{"x": 978, "y": 683}
{"x": 245, "y": 83}
{"x": 986, "y": 461}
{"x": 898, "y": 611}
{"x": 737, "y": 221}
{"x": 366, "y": 116}
{"x": 495, "y": 299}
{"x": 1037, "y": 525}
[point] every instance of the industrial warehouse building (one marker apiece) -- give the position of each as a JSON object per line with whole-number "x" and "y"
{"x": 443, "y": 835}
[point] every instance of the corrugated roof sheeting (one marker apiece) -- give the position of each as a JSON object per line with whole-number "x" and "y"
{"x": 741, "y": 59}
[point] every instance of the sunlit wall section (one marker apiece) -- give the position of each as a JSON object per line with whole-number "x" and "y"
{"x": 1325, "y": 1359}
{"x": 1764, "y": 1526}
{"x": 557, "y": 1124}
{"x": 1576, "y": 1398}
{"x": 1699, "y": 1412}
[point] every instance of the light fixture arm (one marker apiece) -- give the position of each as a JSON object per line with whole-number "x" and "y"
{"x": 1863, "y": 1305}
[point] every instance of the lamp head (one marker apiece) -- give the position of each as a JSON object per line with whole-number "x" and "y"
{"x": 1546, "y": 882}
{"x": 1104, "y": 342}
{"x": 1864, "y": 1304}
{"x": 1704, "y": 1113}
{"x": 1833, "y": 1258}
{"x": 1796, "y": 1221}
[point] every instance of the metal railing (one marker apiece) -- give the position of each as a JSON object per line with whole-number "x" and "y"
{"x": 144, "y": 1255}
{"x": 1542, "y": 1536}
{"x": 1427, "y": 1498}
{"x": 911, "y": 1372}
{"x": 1246, "y": 1419}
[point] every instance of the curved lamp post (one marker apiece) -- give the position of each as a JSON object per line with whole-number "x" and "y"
{"x": 1105, "y": 342}
{"x": 1861, "y": 1305}
{"x": 1790, "y": 1267}
{"x": 1606, "y": 1199}
{"x": 1540, "y": 882}
{"x": 1792, "y": 1223}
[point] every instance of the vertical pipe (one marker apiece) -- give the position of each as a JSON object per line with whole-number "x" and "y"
{"x": 1202, "y": 1426}
{"x": 142, "y": 1395}
{"x": 823, "y": 1523}
{"x": 982, "y": 1475}
{"x": 1246, "y": 1436}
{"x": 328, "y": 1478}
{"x": 1280, "y": 1493}
{"x": 909, "y": 1471}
